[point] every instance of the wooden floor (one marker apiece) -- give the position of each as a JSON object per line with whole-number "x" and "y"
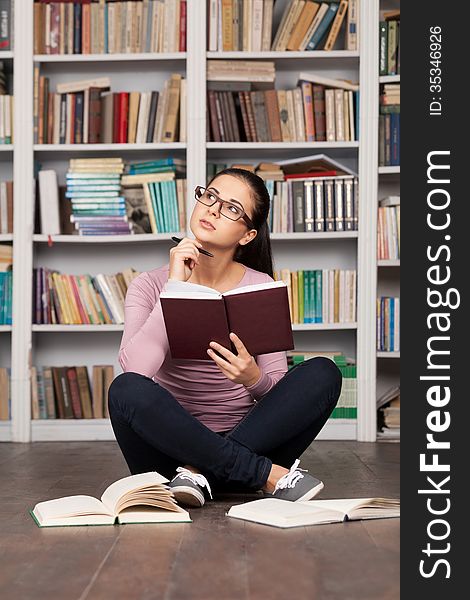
{"x": 212, "y": 558}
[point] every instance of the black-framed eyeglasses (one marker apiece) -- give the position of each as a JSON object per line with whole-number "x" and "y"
{"x": 231, "y": 209}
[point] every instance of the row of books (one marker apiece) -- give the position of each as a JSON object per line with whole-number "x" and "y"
{"x": 64, "y": 392}
{"x": 6, "y": 119}
{"x": 6, "y": 287}
{"x": 100, "y": 199}
{"x": 389, "y": 140}
{"x": 388, "y": 324}
{"x": 5, "y": 399}
{"x": 79, "y": 299}
{"x": 346, "y": 407}
{"x": 307, "y": 113}
{"x": 388, "y": 414}
{"x": 389, "y": 44}
{"x": 87, "y": 111}
{"x": 388, "y": 228}
{"x": 109, "y": 27}
{"x": 236, "y": 25}
{"x": 6, "y": 283}
{"x": 320, "y": 295}
{"x": 319, "y": 204}
{"x": 6, "y": 206}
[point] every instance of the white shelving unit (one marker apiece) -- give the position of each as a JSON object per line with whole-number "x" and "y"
{"x": 388, "y": 279}
{"x": 6, "y": 174}
{"x": 59, "y": 345}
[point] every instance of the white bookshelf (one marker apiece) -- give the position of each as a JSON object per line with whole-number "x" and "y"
{"x": 55, "y": 344}
{"x": 118, "y": 57}
{"x": 6, "y": 174}
{"x": 388, "y": 271}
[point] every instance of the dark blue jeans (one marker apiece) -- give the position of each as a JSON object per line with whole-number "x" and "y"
{"x": 155, "y": 433}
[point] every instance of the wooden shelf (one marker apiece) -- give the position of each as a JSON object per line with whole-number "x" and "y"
{"x": 315, "y": 54}
{"x": 4, "y": 328}
{"x": 77, "y": 328}
{"x": 134, "y": 57}
{"x": 106, "y": 147}
{"x": 6, "y": 237}
{"x": 6, "y": 147}
{"x": 5, "y": 431}
{"x": 381, "y": 354}
{"x": 389, "y": 79}
{"x": 278, "y": 146}
{"x": 322, "y": 326}
{"x": 315, "y": 235}
{"x": 388, "y": 263}
{"x": 389, "y": 170}
{"x": 48, "y": 430}
{"x": 107, "y": 239}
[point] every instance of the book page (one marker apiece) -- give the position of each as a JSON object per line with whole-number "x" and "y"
{"x": 351, "y": 506}
{"x": 256, "y": 286}
{"x": 283, "y": 513}
{"x": 153, "y": 515}
{"x": 70, "y": 506}
{"x": 120, "y": 488}
{"x": 173, "y": 285}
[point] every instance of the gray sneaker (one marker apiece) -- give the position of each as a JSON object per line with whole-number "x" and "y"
{"x": 295, "y": 486}
{"x": 187, "y": 487}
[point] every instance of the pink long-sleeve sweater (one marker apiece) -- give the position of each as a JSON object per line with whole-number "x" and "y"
{"x": 198, "y": 385}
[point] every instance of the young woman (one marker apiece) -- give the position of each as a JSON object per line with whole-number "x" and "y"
{"x": 234, "y": 420}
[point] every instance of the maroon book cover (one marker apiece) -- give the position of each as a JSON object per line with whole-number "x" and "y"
{"x": 259, "y": 317}
{"x": 74, "y": 392}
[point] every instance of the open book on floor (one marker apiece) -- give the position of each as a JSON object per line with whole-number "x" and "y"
{"x": 142, "y": 498}
{"x": 196, "y": 314}
{"x": 282, "y": 513}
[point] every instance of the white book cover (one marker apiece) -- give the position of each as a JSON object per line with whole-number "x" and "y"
{"x": 49, "y": 202}
{"x": 3, "y": 207}
{"x": 315, "y": 77}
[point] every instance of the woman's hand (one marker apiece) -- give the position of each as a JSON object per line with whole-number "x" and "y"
{"x": 241, "y": 368}
{"x": 183, "y": 258}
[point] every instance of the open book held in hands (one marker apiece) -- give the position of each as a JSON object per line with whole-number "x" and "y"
{"x": 196, "y": 314}
{"x": 282, "y": 513}
{"x": 142, "y": 498}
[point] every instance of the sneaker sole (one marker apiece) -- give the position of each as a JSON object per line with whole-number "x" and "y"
{"x": 188, "y": 496}
{"x": 311, "y": 493}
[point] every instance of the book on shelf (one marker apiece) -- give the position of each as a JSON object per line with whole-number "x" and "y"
{"x": 6, "y": 207}
{"x": 141, "y": 498}
{"x": 89, "y": 112}
{"x": 109, "y": 27}
{"x": 195, "y": 315}
{"x": 388, "y": 414}
{"x": 313, "y": 204}
{"x": 79, "y": 299}
{"x": 388, "y": 324}
{"x": 311, "y": 111}
{"x": 388, "y": 228}
{"x": 285, "y": 514}
{"x": 66, "y": 392}
{"x": 389, "y": 43}
{"x": 320, "y": 295}
{"x": 346, "y": 406}
{"x": 6, "y": 26}
{"x": 4, "y": 393}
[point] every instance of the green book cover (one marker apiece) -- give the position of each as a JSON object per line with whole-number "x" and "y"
{"x": 300, "y": 285}
{"x": 153, "y": 187}
{"x": 318, "y": 297}
{"x": 313, "y": 296}
{"x": 163, "y": 196}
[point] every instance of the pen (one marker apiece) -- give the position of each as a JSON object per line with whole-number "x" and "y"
{"x": 178, "y": 240}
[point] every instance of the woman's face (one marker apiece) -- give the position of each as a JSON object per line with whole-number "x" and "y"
{"x": 224, "y": 232}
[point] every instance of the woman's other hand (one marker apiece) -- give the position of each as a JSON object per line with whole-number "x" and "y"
{"x": 239, "y": 368}
{"x": 183, "y": 258}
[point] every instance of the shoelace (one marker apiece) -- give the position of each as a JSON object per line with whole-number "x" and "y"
{"x": 291, "y": 478}
{"x": 197, "y": 478}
